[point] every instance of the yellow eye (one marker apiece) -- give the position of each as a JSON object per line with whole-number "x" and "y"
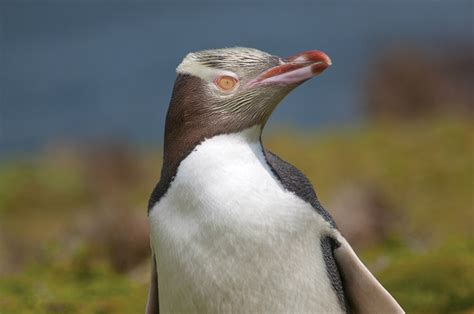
{"x": 226, "y": 83}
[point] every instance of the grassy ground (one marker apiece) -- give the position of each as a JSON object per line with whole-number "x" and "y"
{"x": 73, "y": 234}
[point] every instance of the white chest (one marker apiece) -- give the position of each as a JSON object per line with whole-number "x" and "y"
{"x": 229, "y": 238}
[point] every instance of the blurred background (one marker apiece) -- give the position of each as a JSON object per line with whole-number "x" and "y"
{"x": 385, "y": 135}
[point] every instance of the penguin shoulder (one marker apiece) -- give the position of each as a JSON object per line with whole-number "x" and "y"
{"x": 295, "y": 181}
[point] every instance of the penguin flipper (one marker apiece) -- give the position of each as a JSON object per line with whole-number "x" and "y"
{"x": 355, "y": 286}
{"x": 152, "y": 305}
{"x": 364, "y": 291}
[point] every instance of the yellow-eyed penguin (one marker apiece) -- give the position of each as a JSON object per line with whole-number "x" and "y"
{"x": 233, "y": 228}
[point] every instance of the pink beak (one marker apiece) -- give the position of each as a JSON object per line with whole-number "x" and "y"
{"x": 295, "y": 69}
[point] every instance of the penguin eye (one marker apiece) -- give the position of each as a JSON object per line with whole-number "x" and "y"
{"x": 226, "y": 83}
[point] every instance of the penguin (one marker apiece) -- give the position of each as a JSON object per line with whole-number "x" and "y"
{"x": 233, "y": 227}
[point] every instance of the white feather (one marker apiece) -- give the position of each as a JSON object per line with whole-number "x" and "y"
{"x": 230, "y": 56}
{"x": 229, "y": 238}
{"x": 189, "y": 66}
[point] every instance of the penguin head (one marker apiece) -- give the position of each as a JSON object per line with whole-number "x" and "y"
{"x": 236, "y": 88}
{"x": 225, "y": 91}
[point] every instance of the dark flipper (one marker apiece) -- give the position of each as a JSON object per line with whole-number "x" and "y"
{"x": 328, "y": 245}
{"x": 152, "y": 305}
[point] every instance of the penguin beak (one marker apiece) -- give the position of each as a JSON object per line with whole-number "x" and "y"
{"x": 294, "y": 70}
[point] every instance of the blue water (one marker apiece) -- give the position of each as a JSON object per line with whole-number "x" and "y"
{"x": 87, "y": 70}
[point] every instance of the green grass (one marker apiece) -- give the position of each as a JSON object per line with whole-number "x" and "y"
{"x": 77, "y": 287}
{"x": 438, "y": 281}
{"x": 424, "y": 169}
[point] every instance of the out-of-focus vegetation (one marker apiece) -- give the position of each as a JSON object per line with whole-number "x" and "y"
{"x": 407, "y": 82}
{"x": 74, "y": 235}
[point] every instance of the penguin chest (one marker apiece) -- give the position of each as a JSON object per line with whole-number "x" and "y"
{"x": 228, "y": 237}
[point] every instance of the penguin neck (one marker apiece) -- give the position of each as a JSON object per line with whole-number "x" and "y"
{"x": 180, "y": 142}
